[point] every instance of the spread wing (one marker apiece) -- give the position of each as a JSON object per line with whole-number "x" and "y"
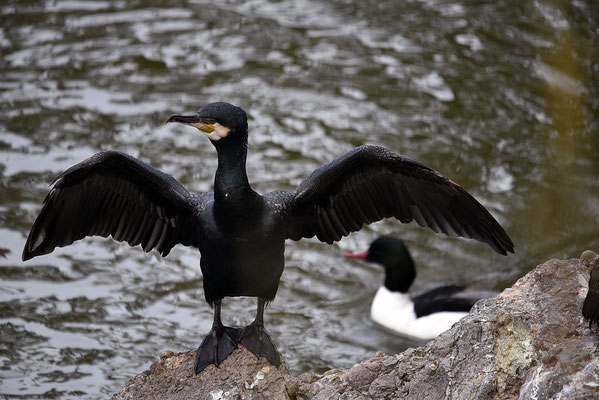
{"x": 370, "y": 183}
{"x": 112, "y": 193}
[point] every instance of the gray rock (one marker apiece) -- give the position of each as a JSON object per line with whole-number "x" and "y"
{"x": 531, "y": 342}
{"x": 241, "y": 375}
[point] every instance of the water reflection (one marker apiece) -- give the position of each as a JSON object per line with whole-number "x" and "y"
{"x": 500, "y": 97}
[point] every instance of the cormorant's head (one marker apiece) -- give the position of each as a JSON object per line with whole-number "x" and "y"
{"x": 216, "y": 120}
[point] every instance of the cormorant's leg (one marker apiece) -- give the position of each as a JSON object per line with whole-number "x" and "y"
{"x": 218, "y": 344}
{"x": 255, "y": 339}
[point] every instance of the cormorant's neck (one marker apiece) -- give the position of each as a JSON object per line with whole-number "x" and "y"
{"x": 399, "y": 278}
{"x": 231, "y": 183}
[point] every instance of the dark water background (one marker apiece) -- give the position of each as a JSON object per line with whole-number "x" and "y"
{"x": 503, "y": 97}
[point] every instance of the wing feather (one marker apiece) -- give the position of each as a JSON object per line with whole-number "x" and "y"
{"x": 112, "y": 193}
{"x": 370, "y": 183}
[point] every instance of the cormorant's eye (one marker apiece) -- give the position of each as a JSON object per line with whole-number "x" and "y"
{"x": 209, "y": 121}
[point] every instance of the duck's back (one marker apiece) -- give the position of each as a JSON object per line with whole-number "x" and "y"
{"x": 449, "y": 298}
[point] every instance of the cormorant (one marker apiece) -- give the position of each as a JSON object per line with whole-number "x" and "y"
{"x": 590, "y": 307}
{"x": 421, "y": 317}
{"x": 240, "y": 233}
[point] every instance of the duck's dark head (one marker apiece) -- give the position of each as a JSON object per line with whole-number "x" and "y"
{"x": 393, "y": 255}
{"x": 219, "y": 121}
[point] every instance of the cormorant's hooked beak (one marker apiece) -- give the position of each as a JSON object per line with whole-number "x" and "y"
{"x": 206, "y": 125}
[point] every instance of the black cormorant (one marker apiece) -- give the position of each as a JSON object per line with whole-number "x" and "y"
{"x": 590, "y": 308}
{"x": 240, "y": 233}
{"x": 424, "y": 316}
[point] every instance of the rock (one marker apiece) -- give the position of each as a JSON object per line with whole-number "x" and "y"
{"x": 530, "y": 342}
{"x": 166, "y": 354}
{"x": 240, "y": 375}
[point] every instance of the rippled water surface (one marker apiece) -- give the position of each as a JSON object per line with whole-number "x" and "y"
{"x": 503, "y": 97}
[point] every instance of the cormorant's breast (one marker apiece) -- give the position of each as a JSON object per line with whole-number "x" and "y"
{"x": 241, "y": 255}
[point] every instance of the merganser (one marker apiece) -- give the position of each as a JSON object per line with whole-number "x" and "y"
{"x": 421, "y": 317}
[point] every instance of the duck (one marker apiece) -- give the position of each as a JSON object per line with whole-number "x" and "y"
{"x": 422, "y": 317}
{"x": 241, "y": 234}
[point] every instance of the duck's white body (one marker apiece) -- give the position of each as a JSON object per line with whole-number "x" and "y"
{"x": 395, "y": 311}
{"x": 422, "y": 317}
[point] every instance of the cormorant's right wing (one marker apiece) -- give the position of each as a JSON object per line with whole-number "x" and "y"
{"x": 112, "y": 193}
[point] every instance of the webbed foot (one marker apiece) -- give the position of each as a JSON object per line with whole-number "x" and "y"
{"x": 216, "y": 346}
{"x": 255, "y": 338}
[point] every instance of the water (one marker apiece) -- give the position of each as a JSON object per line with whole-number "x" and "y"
{"x": 501, "y": 97}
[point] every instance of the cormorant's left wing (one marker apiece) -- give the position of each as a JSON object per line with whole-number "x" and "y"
{"x": 370, "y": 183}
